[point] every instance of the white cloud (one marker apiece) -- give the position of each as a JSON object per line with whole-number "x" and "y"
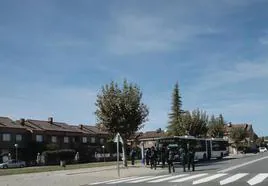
{"x": 264, "y": 40}
{"x": 140, "y": 33}
{"x": 70, "y": 104}
{"x": 240, "y": 72}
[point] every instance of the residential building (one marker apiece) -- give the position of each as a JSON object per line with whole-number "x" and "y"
{"x": 35, "y": 136}
{"x": 49, "y": 132}
{"x": 94, "y": 140}
{"x": 11, "y": 134}
{"x": 250, "y": 137}
{"x": 148, "y": 138}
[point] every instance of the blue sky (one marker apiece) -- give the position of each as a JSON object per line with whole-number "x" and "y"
{"x": 56, "y": 55}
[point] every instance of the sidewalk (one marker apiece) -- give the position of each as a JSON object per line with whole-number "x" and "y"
{"x": 241, "y": 155}
{"x": 77, "y": 177}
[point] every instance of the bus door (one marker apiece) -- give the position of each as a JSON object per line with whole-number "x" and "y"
{"x": 209, "y": 149}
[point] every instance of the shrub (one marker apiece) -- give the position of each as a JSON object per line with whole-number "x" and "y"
{"x": 54, "y": 157}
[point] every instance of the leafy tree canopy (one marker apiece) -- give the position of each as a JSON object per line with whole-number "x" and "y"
{"x": 216, "y": 126}
{"x": 120, "y": 109}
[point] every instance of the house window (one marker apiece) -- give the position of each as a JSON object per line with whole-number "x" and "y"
{"x": 54, "y": 139}
{"x": 84, "y": 139}
{"x": 101, "y": 141}
{"x": 6, "y": 137}
{"x": 66, "y": 139}
{"x": 93, "y": 140}
{"x": 39, "y": 138}
{"x": 18, "y": 137}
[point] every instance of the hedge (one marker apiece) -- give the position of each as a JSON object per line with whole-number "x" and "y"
{"x": 54, "y": 157}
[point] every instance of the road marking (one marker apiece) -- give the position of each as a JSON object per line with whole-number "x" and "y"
{"x": 168, "y": 178}
{"x": 242, "y": 165}
{"x": 130, "y": 179}
{"x": 102, "y": 182}
{"x": 146, "y": 179}
{"x": 207, "y": 179}
{"x": 258, "y": 179}
{"x": 189, "y": 178}
{"x": 233, "y": 178}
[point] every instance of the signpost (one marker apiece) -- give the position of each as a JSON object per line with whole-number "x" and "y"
{"x": 118, "y": 139}
{"x": 142, "y": 152}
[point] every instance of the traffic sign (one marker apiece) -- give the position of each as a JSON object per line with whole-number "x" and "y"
{"x": 118, "y": 137}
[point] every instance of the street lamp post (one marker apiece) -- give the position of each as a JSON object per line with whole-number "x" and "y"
{"x": 16, "y": 146}
{"x": 103, "y": 148}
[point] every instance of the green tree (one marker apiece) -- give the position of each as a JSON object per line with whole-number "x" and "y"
{"x": 238, "y": 135}
{"x": 174, "y": 123}
{"x": 194, "y": 123}
{"x": 199, "y": 123}
{"x": 216, "y": 126}
{"x": 121, "y": 110}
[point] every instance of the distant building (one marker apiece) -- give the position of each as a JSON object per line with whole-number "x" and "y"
{"x": 148, "y": 138}
{"x": 250, "y": 139}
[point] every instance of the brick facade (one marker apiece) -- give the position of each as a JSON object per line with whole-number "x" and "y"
{"x": 35, "y": 136}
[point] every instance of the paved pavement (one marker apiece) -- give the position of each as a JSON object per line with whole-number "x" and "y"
{"x": 236, "y": 171}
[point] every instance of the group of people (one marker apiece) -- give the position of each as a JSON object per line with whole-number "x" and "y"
{"x": 169, "y": 156}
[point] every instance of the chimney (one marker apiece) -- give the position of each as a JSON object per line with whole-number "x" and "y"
{"x": 22, "y": 121}
{"x": 50, "y": 120}
{"x": 81, "y": 126}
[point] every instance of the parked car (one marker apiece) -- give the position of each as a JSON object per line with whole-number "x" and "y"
{"x": 12, "y": 164}
{"x": 251, "y": 150}
{"x": 263, "y": 149}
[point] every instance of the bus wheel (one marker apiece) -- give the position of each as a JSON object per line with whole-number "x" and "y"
{"x": 220, "y": 156}
{"x": 204, "y": 157}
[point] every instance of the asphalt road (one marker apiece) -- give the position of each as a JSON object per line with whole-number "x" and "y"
{"x": 239, "y": 171}
{"x": 243, "y": 171}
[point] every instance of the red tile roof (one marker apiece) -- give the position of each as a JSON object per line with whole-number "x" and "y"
{"x": 7, "y": 122}
{"x": 94, "y": 129}
{"x": 148, "y": 135}
{"x": 82, "y": 129}
{"x": 40, "y": 125}
{"x": 244, "y": 126}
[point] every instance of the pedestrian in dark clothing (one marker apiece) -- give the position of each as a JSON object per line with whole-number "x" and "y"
{"x": 132, "y": 155}
{"x": 191, "y": 155}
{"x": 147, "y": 156}
{"x": 171, "y": 161}
{"x": 183, "y": 158}
{"x": 163, "y": 156}
{"x": 153, "y": 158}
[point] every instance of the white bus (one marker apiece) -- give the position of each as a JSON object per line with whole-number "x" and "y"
{"x": 205, "y": 148}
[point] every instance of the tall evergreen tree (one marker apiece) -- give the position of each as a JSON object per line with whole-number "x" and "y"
{"x": 174, "y": 124}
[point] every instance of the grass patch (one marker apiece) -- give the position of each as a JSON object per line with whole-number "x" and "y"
{"x": 53, "y": 168}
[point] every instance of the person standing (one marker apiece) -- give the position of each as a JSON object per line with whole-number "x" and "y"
{"x": 171, "y": 161}
{"x": 163, "y": 156}
{"x": 183, "y": 158}
{"x": 38, "y": 159}
{"x": 153, "y": 158}
{"x": 147, "y": 156}
{"x": 133, "y": 154}
{"x": 191, "y": 156}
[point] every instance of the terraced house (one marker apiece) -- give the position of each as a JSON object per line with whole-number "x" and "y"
{"x": 35, "y": 136}
{"x": 11, "y": 134}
